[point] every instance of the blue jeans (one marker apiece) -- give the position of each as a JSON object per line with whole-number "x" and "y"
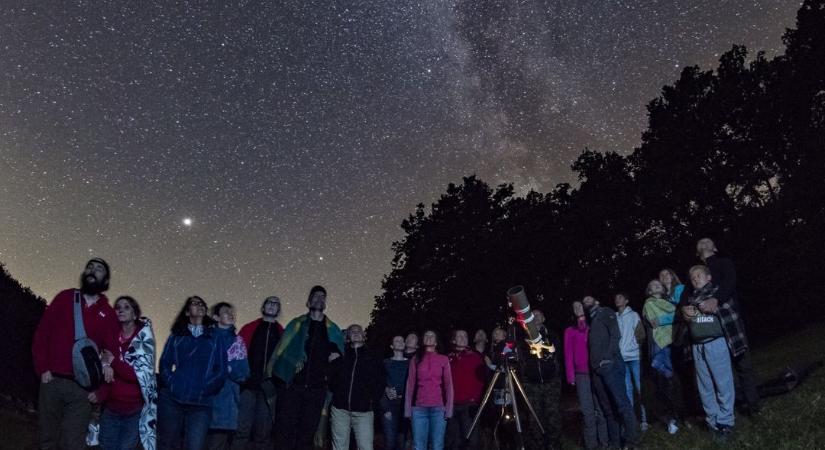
{"x": 661, "y": 361}
{"x": 177, "y": 419}
{"x": 118, "y": 432}
{"x": 633, "y": 379}
{"x": 609, "y": 387}
{"x": 428, "y": 426}
{"x": 392, "y": 419}
{"x": 714, "y": 377}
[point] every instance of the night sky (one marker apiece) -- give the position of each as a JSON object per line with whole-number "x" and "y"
{"x": 242, "y": 149}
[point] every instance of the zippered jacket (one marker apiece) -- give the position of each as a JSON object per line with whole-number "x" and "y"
{"x": 260, "y": 338}
{"x": 54, "y": 336}
{"x": 200, "y": 367}
{"x": 429, "y": 384}
{"x": 603, "y": 337}
{"x": 357, "y": 380}
{"x": 576, "y": 356}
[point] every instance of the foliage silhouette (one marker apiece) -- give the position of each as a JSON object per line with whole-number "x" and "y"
{"x": 736, "y": 154}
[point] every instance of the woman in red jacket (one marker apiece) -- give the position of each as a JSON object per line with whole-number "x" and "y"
{"x": 129, "y": 374}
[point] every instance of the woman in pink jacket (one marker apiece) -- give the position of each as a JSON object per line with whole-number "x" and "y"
{"x": 577, "y": 367}
{"x": 429, "y": 398}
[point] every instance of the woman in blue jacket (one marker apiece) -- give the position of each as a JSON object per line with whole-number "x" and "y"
{"x": 193, "y": 368}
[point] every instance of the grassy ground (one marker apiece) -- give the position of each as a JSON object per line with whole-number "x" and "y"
{"x": 17, "y": 431}
{"x": 792, "y": 421}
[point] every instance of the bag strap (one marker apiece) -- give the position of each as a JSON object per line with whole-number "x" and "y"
{"x": 79, "y": 330}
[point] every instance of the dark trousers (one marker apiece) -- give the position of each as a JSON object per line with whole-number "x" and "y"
{"x": 63, "y": 415}
{"x": 459, "y": 425}
{"x": 298, "y": 414}
{"x": 745, "y": 381}
{"x": 255, "y": 420}
{"x": 685, "y": 372}
{"x": 609, "y": 387}
{"x": 665, "y": 394}
{"x": 218, "y": 439}
{"x": 545, "y": 400}
{"x": 394, "y": 423}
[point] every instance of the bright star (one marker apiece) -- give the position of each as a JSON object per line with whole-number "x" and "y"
{"x": 187, "y": 221}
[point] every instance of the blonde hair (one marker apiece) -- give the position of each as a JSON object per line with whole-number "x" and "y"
{"x": 649, "y": 291}
{"x": 705, "y": 269}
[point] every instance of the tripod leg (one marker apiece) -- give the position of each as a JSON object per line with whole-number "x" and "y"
{"x": 511, "y": 390}
{"x": 527, "y": 401}
{"x": 484, "y": 401}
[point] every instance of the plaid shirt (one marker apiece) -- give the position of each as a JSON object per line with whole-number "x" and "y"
{"x": 728, "y": 316}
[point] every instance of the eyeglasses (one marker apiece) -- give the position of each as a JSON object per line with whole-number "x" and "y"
{"x": 197, "y": 303}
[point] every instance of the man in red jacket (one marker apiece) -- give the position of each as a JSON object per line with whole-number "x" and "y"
{"x": 469, "y": 374}
{"x": 64, "y": 408}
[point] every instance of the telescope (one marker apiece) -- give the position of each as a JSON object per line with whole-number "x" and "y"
{"x": 524, "y": 315}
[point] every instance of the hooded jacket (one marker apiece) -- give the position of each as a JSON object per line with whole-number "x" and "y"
{"x": 629, "y": 321}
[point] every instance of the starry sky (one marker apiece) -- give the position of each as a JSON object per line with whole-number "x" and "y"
{"x": 240, "y": 149}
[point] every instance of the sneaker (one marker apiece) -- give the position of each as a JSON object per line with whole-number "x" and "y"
{"x": 724, "y": 432}
{"x": 671, "y": 427}
{"x": 644, "y": 426}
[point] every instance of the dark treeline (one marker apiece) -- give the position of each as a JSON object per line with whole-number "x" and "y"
{"x": 23, "y": 310}
{"x": 736, "y": 154}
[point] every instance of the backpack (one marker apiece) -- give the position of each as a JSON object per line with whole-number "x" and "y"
{"x": 88, "y": 371}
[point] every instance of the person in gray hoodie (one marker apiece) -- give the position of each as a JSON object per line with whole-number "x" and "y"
{"x": 632, "y": 332}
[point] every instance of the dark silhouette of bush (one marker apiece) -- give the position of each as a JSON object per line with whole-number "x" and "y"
{"x": 22, "y": 311}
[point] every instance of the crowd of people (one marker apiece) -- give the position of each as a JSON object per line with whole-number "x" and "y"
{"x": 298, "y": 386}
{"x": 694, "y": 333}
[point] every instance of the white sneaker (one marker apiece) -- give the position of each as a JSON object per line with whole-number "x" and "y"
{"x": 644, "y": 426}
{"x": 671, "y": 427}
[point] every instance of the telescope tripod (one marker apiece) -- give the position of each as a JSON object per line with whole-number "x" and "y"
{"x": 511, "y": 383}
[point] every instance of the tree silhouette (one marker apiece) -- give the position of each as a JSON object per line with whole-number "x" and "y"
{"x": 23, "y": 310}
{"x": 736, "y": 153}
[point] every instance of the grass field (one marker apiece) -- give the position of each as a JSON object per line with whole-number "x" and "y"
{"x": 791, "y": 421}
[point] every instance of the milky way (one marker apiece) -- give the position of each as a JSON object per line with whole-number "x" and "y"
{"x": 295, "y": 136}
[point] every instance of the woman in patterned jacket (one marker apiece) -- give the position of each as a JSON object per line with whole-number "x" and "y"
{"x": 129, "y": 396}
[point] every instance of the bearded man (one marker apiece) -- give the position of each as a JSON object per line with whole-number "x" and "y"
{"x": 64, "y": 407}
